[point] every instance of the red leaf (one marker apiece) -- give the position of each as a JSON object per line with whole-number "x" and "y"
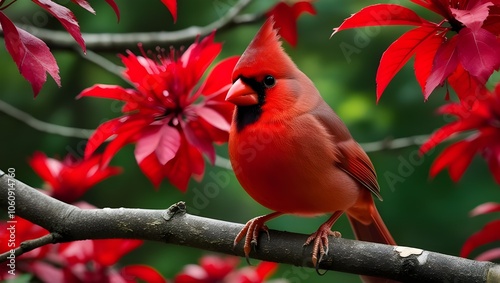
{"x": 265, "y": 269}
{"x": 478, "y": 52}
{"x": 84, "y": 4}
{"x": 113, "y": 5}
{"x": 487, "y": 235}
{"x": 286, "y": 16}
{"x": 172, "y": 7}
{"x": 66, "y": 17}
{"x": 101, "y": 134}
{"x": 382, "y": 15}
{"x": 445, "y": 62}
{"x": 423, "y": 59}
{"x": 398, "y": 53}
{"x": 492, "y": 22}
{"x": 437, "y": 6}
{"x": 107, "y": 91}
{"x": 485, "y": 208}
{"x": 474, "y": 17}
{"x": 465, "y": 86}
{"x": 146, "y": 273}
{"x": 32, "y": 56}
{"x": 152, "y": 169}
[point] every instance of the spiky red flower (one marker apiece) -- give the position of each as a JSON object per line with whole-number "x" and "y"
{"x": 483, "y": 118}
{"x": 224, "y": 270}
{"x": 70, "y": 178}
{"x": 171, "y": 116}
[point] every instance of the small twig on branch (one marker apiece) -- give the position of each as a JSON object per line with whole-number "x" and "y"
{"x": 102, "y": 62}
{"x": 41, "y": 125}
{"x": 122, "y": 41}
{"x": 177, "y": 227}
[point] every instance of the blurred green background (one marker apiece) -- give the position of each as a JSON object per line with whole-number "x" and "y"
{"x": 421, "y": 212}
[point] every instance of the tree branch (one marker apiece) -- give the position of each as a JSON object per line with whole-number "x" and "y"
{"x": 121, "y": 41}
{"x": 175, "y": 226}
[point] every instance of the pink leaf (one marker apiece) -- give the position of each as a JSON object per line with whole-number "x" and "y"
{"x": 478, "y": 52}
{"x": 445, "y": 63}
{"x": 84, "y": 4}
{"x": 382, "y": 15}
{"x": 398, "y": 53}
{"x": 474, "y": 17}
{"x": 66, "y": 17}
{"x": 32, "y": 56}
{"x": 172, "y": 7}
{"x": 484, "y": 208}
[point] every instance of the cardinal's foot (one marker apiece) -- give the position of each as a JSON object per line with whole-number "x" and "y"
{"x": 320, "y": 240}
{"x": 251, "y": 233}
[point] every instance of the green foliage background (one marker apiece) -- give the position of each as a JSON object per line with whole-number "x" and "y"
{"x": 421, "y": 212}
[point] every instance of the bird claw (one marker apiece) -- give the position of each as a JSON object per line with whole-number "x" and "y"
{"x": 320, "y": 244}
{"x": 251, "y": 234}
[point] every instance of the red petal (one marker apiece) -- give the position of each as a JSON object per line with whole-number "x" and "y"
{"x": 108, "y": 91}
{"x": 398, "y": 53}
{"x": 478, "y": 52}
{"x": 32, "y": 56}
{"x": 143, "y": 272}
{"x": 485, "y": 208}
{"x": 423, "y": 59}
{"x": 487, "y": 235}
{"x": 199, "y": 137}
{"x": 162, "y": 140}
{"x": 213, "y": 118}
{"x": 113, "y": 5}
{"x": 45, "y": 168}
{"x": 116, "y": 144}
{"x": 152, "y": 169}
{"x": 108, "y": 252}
{"x": 218, "y": 267}
{"x": 84, "y": 4}
{"x": 444, "y": 64}
{"x": 219, "y": 79}
{"x": 265, "y": 269}
{"x": 101, "y": 134}
{"x": 66, "y": 17}
{"x": 382, "y": 15}
{"x": 172, "y": 7}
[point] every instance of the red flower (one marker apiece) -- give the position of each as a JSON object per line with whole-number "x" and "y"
{"x": 286, "y": 15}
{"x": 216, "y": 269}
{"x": 483, "y": 117}
{"x": 69, "y": 179}
{"x": 12, "y": 234}
{"x": 473, "y": 50}
{"x": 170, "y": 115}
{"x": 487, "y": 235}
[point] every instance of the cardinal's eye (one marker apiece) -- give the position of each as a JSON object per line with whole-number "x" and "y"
{"x": 269, "y": 81}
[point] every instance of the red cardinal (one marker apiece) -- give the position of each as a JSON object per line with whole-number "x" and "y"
{"x": 292, "y": 153}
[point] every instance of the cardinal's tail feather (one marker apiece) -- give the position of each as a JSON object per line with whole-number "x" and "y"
{"x": 371, "y": 229}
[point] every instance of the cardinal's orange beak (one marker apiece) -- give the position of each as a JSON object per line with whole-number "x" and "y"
{"x": 241, "y": 94}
